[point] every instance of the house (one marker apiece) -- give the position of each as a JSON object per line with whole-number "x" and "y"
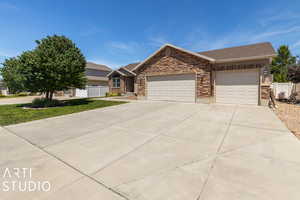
{"x": 235, "y": 75}
{"x": 122, "y": 80}
{"x": 97, "y": 81}
{"x": 3, "y": 88}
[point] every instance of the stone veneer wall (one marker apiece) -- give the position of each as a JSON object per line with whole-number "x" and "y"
{"x": 117, "y": 90}
{"x": 170, "y": 62}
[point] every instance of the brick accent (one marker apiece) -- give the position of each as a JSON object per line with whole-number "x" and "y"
{"x": 141, "y": 84}
{"x": 117, "y": 90}
{"x": 253, "y": 64}
{"x": 204, "y": 88}
{"x": 265, "y": 91}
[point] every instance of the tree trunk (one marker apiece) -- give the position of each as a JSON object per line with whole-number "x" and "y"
{"x": 51, "y": 95}
{"x": 47, "y": 95}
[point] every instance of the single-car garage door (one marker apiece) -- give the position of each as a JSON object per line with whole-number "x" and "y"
{"x": 237, "y": 87}
{"x": 171, "y": 88}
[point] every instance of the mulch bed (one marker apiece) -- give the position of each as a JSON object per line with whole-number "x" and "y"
{"x": 126, "y": 97}
{"x": 290, "y": 115}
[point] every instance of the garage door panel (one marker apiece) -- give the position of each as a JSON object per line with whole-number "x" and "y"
{"x": 237, "y": 87}
{"x": 172, "y": 88}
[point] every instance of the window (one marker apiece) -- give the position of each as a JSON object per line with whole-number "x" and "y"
{"x": 116, "y": 82}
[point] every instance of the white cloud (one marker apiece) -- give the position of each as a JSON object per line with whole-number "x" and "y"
{"x": 296, "y": 44}
{"x": 89, "y": 31}
{"x": 7, "y": 54}
{"x": 8, "y": 6}
{"x": 241, "y": 36}
{"x": 124, "y": 47}
{"x": 158, "y": 41}
{"x": 270, "y": 34}
{"x": 275, "y": 16}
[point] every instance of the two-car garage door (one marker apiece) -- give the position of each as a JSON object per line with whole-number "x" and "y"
{"x": 171, "y": 88}
{"x": 237, "y": 87}
{"x": 232, "y": 87}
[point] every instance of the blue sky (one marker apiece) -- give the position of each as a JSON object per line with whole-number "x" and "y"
{"x": 120, "y": 32}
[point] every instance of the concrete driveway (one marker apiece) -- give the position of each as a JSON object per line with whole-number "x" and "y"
{"x": 157, "y": 151}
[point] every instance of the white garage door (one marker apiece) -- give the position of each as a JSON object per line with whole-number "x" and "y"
{"x": 237, "y": 87}
{"x": 172, "y": 88}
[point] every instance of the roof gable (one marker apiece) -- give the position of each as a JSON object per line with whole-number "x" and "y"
{"x": 131, "y": 66}
{"x": 173, "y": 47}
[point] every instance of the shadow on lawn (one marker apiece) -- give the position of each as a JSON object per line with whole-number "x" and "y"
{"x": 62, "y": 103}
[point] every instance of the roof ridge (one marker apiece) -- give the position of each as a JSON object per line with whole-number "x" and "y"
{"x": 92, "y": 64}
{"x": 232, "y": 47}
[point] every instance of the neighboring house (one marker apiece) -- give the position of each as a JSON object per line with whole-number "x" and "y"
{"x": 122, "y": 80}
{"x": 97, "y": 81}
{"x": 3, "y": 88}
{"x": 235, "y": 75}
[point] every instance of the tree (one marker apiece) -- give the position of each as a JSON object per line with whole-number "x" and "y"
{"x": 294, "y": 73}
{"x": 55, "y": 64}
{"x": 11, "y": 77}
{"x": 280, "y": 63}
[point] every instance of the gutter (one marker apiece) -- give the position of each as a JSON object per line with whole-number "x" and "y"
{"x": 245, "y": 58}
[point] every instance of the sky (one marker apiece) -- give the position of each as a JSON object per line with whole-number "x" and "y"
{"x": 119, "y": 32}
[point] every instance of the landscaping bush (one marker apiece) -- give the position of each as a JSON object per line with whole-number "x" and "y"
{"x": 44, "y": 103}
{"x": 112, "y": 94}
{"x": 2, "y": 96}
{"x": 22, "y": 94}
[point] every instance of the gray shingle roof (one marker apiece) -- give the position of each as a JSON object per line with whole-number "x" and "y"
{"x": 130, "y": 66}
{"x": 252, "y": 50}
{"x": 90, "y": 65}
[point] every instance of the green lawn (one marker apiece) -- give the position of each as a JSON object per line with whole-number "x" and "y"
{"x": 14, "y": 114}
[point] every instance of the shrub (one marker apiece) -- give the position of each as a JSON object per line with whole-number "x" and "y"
{"x": 112, "y": 94}
{"x": 2, "y": 96}
{"x": 22, "y": 94}
{"x": 44, "y": 103}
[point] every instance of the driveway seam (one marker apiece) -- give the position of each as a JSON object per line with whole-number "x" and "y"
{"x": 218, "y": 150}
{"x": 67, "y": 164}
{"x": 138, "y": 147}
{"x": 84, "y": 133}
{"x": 263, "y": 128}
{"x": 164, "y": 171}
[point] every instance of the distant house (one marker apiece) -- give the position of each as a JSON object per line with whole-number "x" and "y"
{"x": 97, "y": 81}
{"x": 3, "y": 88}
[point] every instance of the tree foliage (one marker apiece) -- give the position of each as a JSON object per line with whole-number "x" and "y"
{"x": 279, "y": 66}
{"x": 12, "y": 79}
{"x": 294, "y": 73}
{"x": 55, "y": 64}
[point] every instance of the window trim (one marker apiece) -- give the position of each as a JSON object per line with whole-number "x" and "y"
{"x": 113, "y": 82}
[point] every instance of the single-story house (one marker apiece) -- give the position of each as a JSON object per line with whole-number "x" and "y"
{"x": 122, "y": 80}
{"x": 97, "y": 81}
{"x": 235, "y": 75}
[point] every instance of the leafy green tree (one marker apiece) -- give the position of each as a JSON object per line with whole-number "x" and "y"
{"x": 279, "y": 66}
{"x": 55, "y": 64}
{"x": 294, "y": 73}
{"x": 12, "y": 78}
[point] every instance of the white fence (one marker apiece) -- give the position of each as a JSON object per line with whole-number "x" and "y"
{"x": 92, "y": 91}
{"x": 282, "y": 90}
